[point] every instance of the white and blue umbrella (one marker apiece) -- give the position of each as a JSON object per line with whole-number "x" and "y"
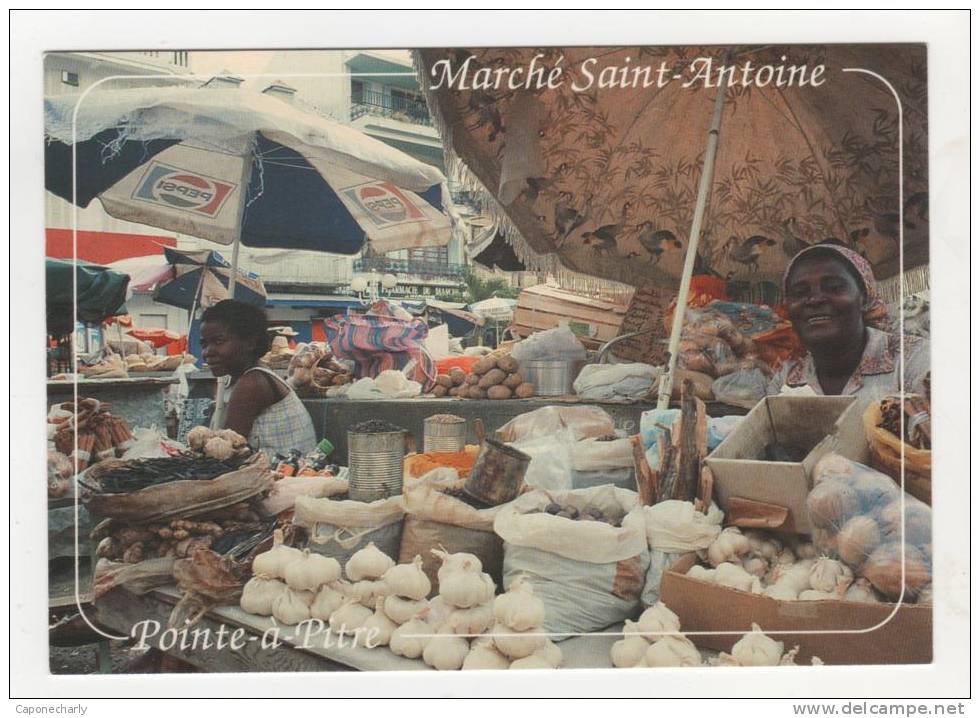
{"x": 236, "y": 166}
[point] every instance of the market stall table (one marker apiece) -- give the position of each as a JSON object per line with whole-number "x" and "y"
{"x": 140, "y": 401}
{"x": 121, "y": 611}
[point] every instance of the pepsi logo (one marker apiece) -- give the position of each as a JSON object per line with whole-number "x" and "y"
{"x": 184, "y": 190}
{"x": 180, "y": 189}
{"x": 379, "y": 200}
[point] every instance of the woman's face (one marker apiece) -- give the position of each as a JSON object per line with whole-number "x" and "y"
{"x": 825, "y": 303}
{"x": 224, "y": 351}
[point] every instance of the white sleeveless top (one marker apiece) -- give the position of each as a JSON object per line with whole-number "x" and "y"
{"x": 283, "y": 426}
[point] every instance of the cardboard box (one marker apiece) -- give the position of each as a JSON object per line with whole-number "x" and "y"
{"x": 815, "y": 424}
{"x": 851, "y": 634}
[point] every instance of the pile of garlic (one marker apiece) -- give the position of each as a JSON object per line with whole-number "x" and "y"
{"x": 758, "y": 563}
{"x": 654, "y": 641}
{"x": 757, "y": 649}
{"x": 516, "y": 638}
{"x": 292, "y": 585}
{"x": 365, "y": 570}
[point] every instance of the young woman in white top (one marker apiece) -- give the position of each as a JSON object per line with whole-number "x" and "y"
{"x": 260, "y": 405}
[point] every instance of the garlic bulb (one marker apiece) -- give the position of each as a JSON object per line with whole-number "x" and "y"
{"x": 350, "y": 616}
{"x": 368, "y": 563}
{"x": 382, "y": 626}
{"x": 825, "y": 573}
{"x": 550, "y": 652}
{"x": 259, "y": 594}
{"x": 470, "y": 620}
{"x": 198, "y": 437}
{"x": 409, "y": 639}
{"x": 806, "y": 549}
{"x": 310, "y": 571}
{"x": 757, "y": 649}
{"x": 516, "y": 644}
{"x": 366, "y": 592}
{"x": 814, "y": 595}
{"x": 786, "y": 557}
{"x": 796, "y": 576}
{"x": 756, "y": 566}
{"x": 532, "y": 662}
{"x": 628, "y": 652}
{"x": 732, "y": 576}
{"x": 401, "y": 610}
{"x": 672, "y": 651}
{"x": 452, "y": 562}
{"x": 699, "y": 572}
{"x": 632, "y": 628}
{"x": 763, "y": 546}
{"x": 445, "y": 652}
{"x": 408, "y": 580}
{"x": 484, "y": 657}
{"x": 658, "y": 619}
{"x": 465, "y": 589}
{"x": 218, "y": 448}
{"x": 273, "y": 562}
{"x": 328, "y": 599}
{"x": 861, "y": 592}
{"x": 519, "y": 609}
{"x": 729, "y": 546}
{"x": 781, "y": 592}
{"x": 292, "y": 607}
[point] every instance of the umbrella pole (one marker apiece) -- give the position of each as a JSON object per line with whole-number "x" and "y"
{"x": 704, "y": 186}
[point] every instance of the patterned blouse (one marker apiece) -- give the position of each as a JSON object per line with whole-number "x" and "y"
{"x": 875, "y": 377}
{"x": 283, "y": 426}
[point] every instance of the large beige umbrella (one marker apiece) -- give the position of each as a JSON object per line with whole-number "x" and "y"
{"x": 605, "y": 179}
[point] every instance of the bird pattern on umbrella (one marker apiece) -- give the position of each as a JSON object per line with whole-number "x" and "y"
{"x": 613, "y": 184}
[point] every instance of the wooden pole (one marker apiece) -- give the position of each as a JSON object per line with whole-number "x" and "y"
{"x": 704, "y": 187}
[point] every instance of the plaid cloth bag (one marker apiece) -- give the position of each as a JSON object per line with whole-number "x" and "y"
{"x": 376, "y": 343}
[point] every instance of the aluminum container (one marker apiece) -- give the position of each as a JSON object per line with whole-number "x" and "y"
{"x": 444, "y": 432}
{"x": 498, "y": 473}
{"x": 550, "y": 377}
{"x": 375, "y": 463}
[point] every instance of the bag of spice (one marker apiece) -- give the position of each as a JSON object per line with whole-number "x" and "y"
{"x": 439, "y": 516}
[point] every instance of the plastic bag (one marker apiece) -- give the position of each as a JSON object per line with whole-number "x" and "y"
{"x": 556, "y": 344}
{"x": 604, "y": 382}
{"x": 862, "y": 517}
{"x": 390, "y": 384}
{"x": 584, "y": 421}
{"x": 595, "y": 455}
{"x": 743, "y": 388}
{"x": 719, "y": 427}
{"x": 150, "y": 444}
{"x": 551, "y": 461}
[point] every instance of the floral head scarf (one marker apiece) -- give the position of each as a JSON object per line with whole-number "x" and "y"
{"x": 875, "y": 310}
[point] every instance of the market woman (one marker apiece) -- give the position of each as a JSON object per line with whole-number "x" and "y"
{"x": 832, "y": 301}
{"x": 260, "y": 405}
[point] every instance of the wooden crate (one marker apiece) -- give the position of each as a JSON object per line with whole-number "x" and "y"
{"x": 594, "y": 321}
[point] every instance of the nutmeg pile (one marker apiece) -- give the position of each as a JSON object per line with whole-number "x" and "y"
{"x": 490, "y": 379}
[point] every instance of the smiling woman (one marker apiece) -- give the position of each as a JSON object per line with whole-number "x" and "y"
{"x": 832, "y": 301}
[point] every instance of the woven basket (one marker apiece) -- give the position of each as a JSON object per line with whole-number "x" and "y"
{"x": 886, "y": 456}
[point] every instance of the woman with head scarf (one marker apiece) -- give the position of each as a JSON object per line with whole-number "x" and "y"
{"x": 832, "y": 301}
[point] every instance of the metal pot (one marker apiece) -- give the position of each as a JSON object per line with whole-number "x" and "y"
{"x": 551, "y": 377}
{"x": 375, "y": 464}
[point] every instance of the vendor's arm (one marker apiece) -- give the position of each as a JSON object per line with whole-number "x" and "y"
{"x": 253, "y": 394}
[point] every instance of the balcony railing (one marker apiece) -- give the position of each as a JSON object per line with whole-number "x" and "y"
{"x": 378, "y": 104}
{"x": 385, "y": 265}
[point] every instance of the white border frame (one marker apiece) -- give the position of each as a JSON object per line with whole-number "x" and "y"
{"x": 947, "y": 38}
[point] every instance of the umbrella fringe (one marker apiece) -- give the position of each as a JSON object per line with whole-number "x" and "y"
{"x": 534, "y": 261}
{"x": 916, "y": 280}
